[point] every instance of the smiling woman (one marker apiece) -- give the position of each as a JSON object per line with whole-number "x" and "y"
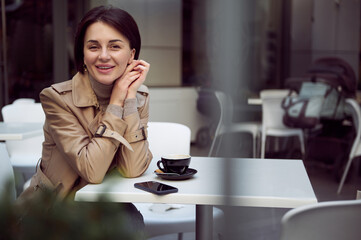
{"x": 97, "y": 121}
{"x": 108, "y": 56}
{"x": 107, "y": 53}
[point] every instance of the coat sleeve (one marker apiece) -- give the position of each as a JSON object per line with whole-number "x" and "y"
{"x": 134, "y": 163}
{"x": 89, "y": 156}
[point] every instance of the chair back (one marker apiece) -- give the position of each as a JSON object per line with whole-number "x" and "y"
{"x": 272, "y": 112}
{"x": 331, "y": 220}
{"x": 6, "y": 174}
{"x": 272, "y": 118}
{"x": 168, "y": 138}
{"x": 24, "y": 101}
{"x": 23, "y": 111}
{"x": 19, "y": 112}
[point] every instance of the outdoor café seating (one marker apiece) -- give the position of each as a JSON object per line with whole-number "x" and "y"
{"x": 272, "y": 123}
{"x": 25, "y": 153}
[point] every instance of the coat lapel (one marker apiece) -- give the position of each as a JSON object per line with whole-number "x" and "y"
{"x": 83, "y": 94}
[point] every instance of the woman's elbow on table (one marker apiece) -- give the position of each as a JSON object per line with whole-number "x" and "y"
{"x": 130, "y": 173}
{"x": 94, "y": 178}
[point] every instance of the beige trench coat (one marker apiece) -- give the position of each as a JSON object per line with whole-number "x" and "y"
{"x": 82, "y": 142}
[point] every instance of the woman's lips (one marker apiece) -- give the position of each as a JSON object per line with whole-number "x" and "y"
{"x": 104, "y": 69}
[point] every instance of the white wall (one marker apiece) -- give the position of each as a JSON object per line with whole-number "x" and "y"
{"x": 324, "y": 28}
{"x": 301, "y": 36}
{"x": 336, "y": 30}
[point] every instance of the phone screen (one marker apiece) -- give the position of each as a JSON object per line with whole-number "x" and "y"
{"x": 156, "y": 187}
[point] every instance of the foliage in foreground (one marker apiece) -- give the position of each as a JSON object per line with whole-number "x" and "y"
{"x": 47, "y": 217}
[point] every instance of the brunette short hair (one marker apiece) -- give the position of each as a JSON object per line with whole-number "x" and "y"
{"x": 115, "y": 17}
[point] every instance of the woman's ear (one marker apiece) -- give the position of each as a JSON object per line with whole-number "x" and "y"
{"x": 132, "y": 54}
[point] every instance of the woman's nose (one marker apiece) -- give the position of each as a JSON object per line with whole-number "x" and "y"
{"x": 104, "y": 54}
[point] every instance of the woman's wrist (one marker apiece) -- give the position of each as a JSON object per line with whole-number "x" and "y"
{"x": 116, "y": 101}
{"x": 131, "y": 95}
{"x": 130, "y": 106}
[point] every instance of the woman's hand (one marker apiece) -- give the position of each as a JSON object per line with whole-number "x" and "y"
{"x": 128, "y": 84}
{"x": 142, "y": 68}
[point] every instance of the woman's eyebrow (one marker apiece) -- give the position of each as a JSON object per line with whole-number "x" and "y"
{"x": 111, "y": 41}
{"x": 92, "y": 41}
{"x": 116, "y": 40}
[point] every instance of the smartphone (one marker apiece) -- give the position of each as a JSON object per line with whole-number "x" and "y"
{"x": 156, "y": 187}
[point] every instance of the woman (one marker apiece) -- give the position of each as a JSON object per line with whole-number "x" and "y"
{"x": 97, "y": 120}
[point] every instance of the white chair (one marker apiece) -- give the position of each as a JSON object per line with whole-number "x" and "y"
{"x": 6, "y": 174}
{"x": 168, "y": 138}
{"x": 226, "y": 125}
{"x": 356, "y": 146}
{"x": 333, "y": 220}
{"x": 24, "y": 101}
{"x": 272, "y": 119}
{"x": 24, "y": 154}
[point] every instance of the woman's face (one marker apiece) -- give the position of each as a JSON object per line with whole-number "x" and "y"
{"x": 106, "y": 52}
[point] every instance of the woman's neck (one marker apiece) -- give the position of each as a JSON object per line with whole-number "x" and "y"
{"x": 101, "y": 90}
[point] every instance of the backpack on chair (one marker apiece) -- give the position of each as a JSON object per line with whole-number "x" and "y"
{"x": 320, "y": 94}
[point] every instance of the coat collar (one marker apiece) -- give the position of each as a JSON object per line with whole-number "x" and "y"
{"x": 83, "y": 94}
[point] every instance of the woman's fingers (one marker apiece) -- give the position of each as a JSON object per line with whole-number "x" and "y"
{"x": 127, "y": 85}
{"x": 139, "y": 68}
{"x": 129, "y": 78}
{"x": 131, "y": 66}
{"x": 142, "y": 68}
{"x": 141, "y": 64}
{"x": 135, "y": 72}
{"x": 133, "y": 76}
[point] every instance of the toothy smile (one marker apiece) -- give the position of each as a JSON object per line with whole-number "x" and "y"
{"x": 103, "y": 67}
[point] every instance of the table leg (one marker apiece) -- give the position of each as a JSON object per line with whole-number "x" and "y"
{"x": 204, "y": 222}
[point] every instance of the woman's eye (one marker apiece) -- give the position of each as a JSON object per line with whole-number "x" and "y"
{"x": 93, "y": 47}
{"x": 115, "y": 47}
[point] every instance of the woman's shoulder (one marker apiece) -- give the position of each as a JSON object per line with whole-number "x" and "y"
{"x": 69, "y": 85}
{"x": 62, "y": 86}
{"x": 58, "y": 88}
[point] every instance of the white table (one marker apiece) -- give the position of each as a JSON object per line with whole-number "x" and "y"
{"x": 22, "y": 163}
{"x": 19, "y": 131}
{"x": 256, "y": 183}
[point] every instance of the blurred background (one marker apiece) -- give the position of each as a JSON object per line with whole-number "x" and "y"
{"x": 239, "y": 47}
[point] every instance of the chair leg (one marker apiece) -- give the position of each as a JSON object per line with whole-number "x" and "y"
{"x": 263, "y": 147}
{"x": 219, "y": 144}
{"x": 215, "y": 146}
{"x": 254, "y": 146}
{"x": 258, "y": 145}
{"x": 348, "y": 165}
{"x": 302, "y": 142}
{"x": 180, "y": 236}
{"x": 210, "y": 153}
